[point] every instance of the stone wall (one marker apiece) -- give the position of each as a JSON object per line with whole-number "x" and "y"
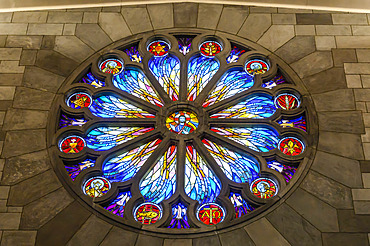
{"x": 329, "y": 51}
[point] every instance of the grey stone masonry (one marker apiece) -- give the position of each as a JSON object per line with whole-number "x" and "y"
{"x": 328, "y": 51}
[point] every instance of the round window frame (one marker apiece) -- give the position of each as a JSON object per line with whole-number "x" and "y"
{"x": 74, "y": 187}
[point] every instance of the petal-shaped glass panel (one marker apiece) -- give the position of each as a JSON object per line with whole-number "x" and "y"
{"x": 117, "y": 206}
{"x": 241, "y": 206}
{"x": 111, "y": 106}
{"x": 299, "y": 122}
{"x": 160, "y": 183}
{"x": 261, "y": 139}
{"x": 137, "y": 84}
{"x": 90, "y": 79}
{"x": 238, "y": 168}
{"x": 65, "y": 121}
{"x": 166, "y": 69}
{"x": 104, "y": 138}
{"x": 125, "y": 166}
{"x": 231, "y": 83}
{"x": 200, "y": 71}
{"x": 201, "y": 183}
{"x": 285, "y": 170}
{"x": 257, "y": 107}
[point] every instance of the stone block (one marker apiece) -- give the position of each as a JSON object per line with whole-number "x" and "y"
{"x": 363, "y": 55}
{"x": 353, "y": 81}
{"x": 48, "y": 43}
{"x": 137, "y": 18}
{"x": 305, "y": 30}
{"x": 361, "y": 30}
{"x": 313, "y": 63}
{"x": 25, "y": 166}
{"x": 362, "y": 94}
{"x": 207, "y": 241}
{"x": 45, "y": 29}
{"x": 185, "y": 14}
{"x": 263, "y": 233}
{"x": 294, "y": 10}
{"x": 341, "y": 56}
{"x": 350, "y": 222}
{"x": 177, "y": 242}
{"x": 290, "y": 224}
{"x": 334, "y": 79}
{"x": 72, "y": 47}
{"x": 142, "y": 240}
{"x": 353, "y": 41}
{"x": 328, "y": 190}
{"x": 161, "y": 15}
{"x": 344, "y": 239}
{"x": 55, "y": 62}
{"x": 357, "y": 68}
{"x": 13, "y": 29}
{"x": 24, "y": 238}
{"x": 15, "y": 209}
{"x": 276, "y": 36}
{"x": 348, "y": 121}
{"x": 366, "y": 147}
{"x": 4, "y": 105}
{"x": 366, "y": 137}
{"x": 19, "y": 119}
{"x": 349, "y": 19}
{"x": 361, "y": 207}
{"x": 10, "y": 54}
{"x": 232, "y": 18}
{"x": 9, "y": 221}
{"x": 333, "y": 100}
{"x": 283, "y": 19}
{"x": 64, "y": 17}
{"x": 111, "y": 9}
{"x": 28, "y": 98}
{"x": 33, "y": 188}
{"x": 4, "y": 192}
{"x": 333, "y": 30}
{"x": 38, "y": 78}
{"x": 90, "y": 17}
{"x": 11, "y": 67}
{"x": 2, "y": 117}
{"x": 343, "y": 170}
{"x": 3, "y": 207}
{"x": 297, "y": 48}
{"x": 30, "y": 17}
{"x": 55, "y": 232}
{"x": 255, "y": 9}
{"x": 39, "y": 212}
{"x": 343, "y": 144}
{"x": 109, "y": 22}
{"x": 6, "y": 17}
{"x": 365, "y": 81}
{"x": 2, "y": 40}
{"x": 120, "y": 237}
{"x": 233, "y": 238}
{"x": 91, "y": 233}
{"x": 23, "y": 142}
{"x": 255, "y": 26}
{"x": 325, "y": 42}
{"x": 92, "y": 35}
{"x": 366, "y": 180}
{"x": 7, "y": 92}
{"x": 314, "y": 19}
{"x": 208, "y": 15}
{"x": 361, "y": 106}
{"x": 365, "y": 166}
{"x": 69, "y": 29}
{"x": 28, "y": 57}
{"x": 317, "y": 212}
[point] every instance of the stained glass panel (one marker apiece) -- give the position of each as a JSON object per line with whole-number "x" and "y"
{"x": 133, "y": 53}
{"x": 111, "y": 106}
{"x": 200, "y": 71}
{"x": 105, "y": 138}
{"x": 277, "y": 80}
{"x": 299, "y": 122}
{"x": 231, "y": 83}
{"x": 74, "y": 170}
{"x": 241, "y": 206}
{"x": 261, "y": 139}
{"x": 137, "y": 84}
{"x": 184, "y": 44}
{"x": 65, "y": 121}
{"x": 166, "y": 70}
{"x": 238, "y": 168}
{"x": 123, "y": 167}
{"x": 285, "y": 170}
{"x": 117, "y": 206}
{"x": 179, "y": 217}
{"x": 201, "y": 183}
{"x": 235, "y": 54}
{"x": 90, "y": 79}
{"x": 160, "y": 183}
{"x": 255, "y": 107}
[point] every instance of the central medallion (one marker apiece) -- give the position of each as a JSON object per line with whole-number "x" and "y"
{"x": 182, "y": 122}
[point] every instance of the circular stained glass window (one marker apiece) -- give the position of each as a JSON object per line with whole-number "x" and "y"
{"x": 181, "y": 131}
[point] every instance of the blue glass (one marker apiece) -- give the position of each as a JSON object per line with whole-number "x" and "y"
{"x": 117, "y": 206}
{"x": 285, "y": 170}
{"x": 235, "y": 54}
{"x": 160, "y": 183}
{"x": 256, "y": 107}
{"x": 238, "y": 168}
{"x": 179, "y": 218}
{"x": 90, "y": 79}
{"x": 240, "y": 205}
{"x": 260, "y": 139}
{"x": 74, "y": 170}
{"x": 277, "y": 80}
{"x": 299, "y": 122}
{"x": 166, "y": 70}
{"x": 201, "y": 183}
{"x": 133, "y": 53}
{"x": 200, "y": 71}
{"x": 111, "y": 106}
{"x": 65, "y": 121}
{"x": 137, "y": 84}
{"x": 231, "y": 83}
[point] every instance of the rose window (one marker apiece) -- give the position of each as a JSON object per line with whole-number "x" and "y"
{"x": 176, "y": 132}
